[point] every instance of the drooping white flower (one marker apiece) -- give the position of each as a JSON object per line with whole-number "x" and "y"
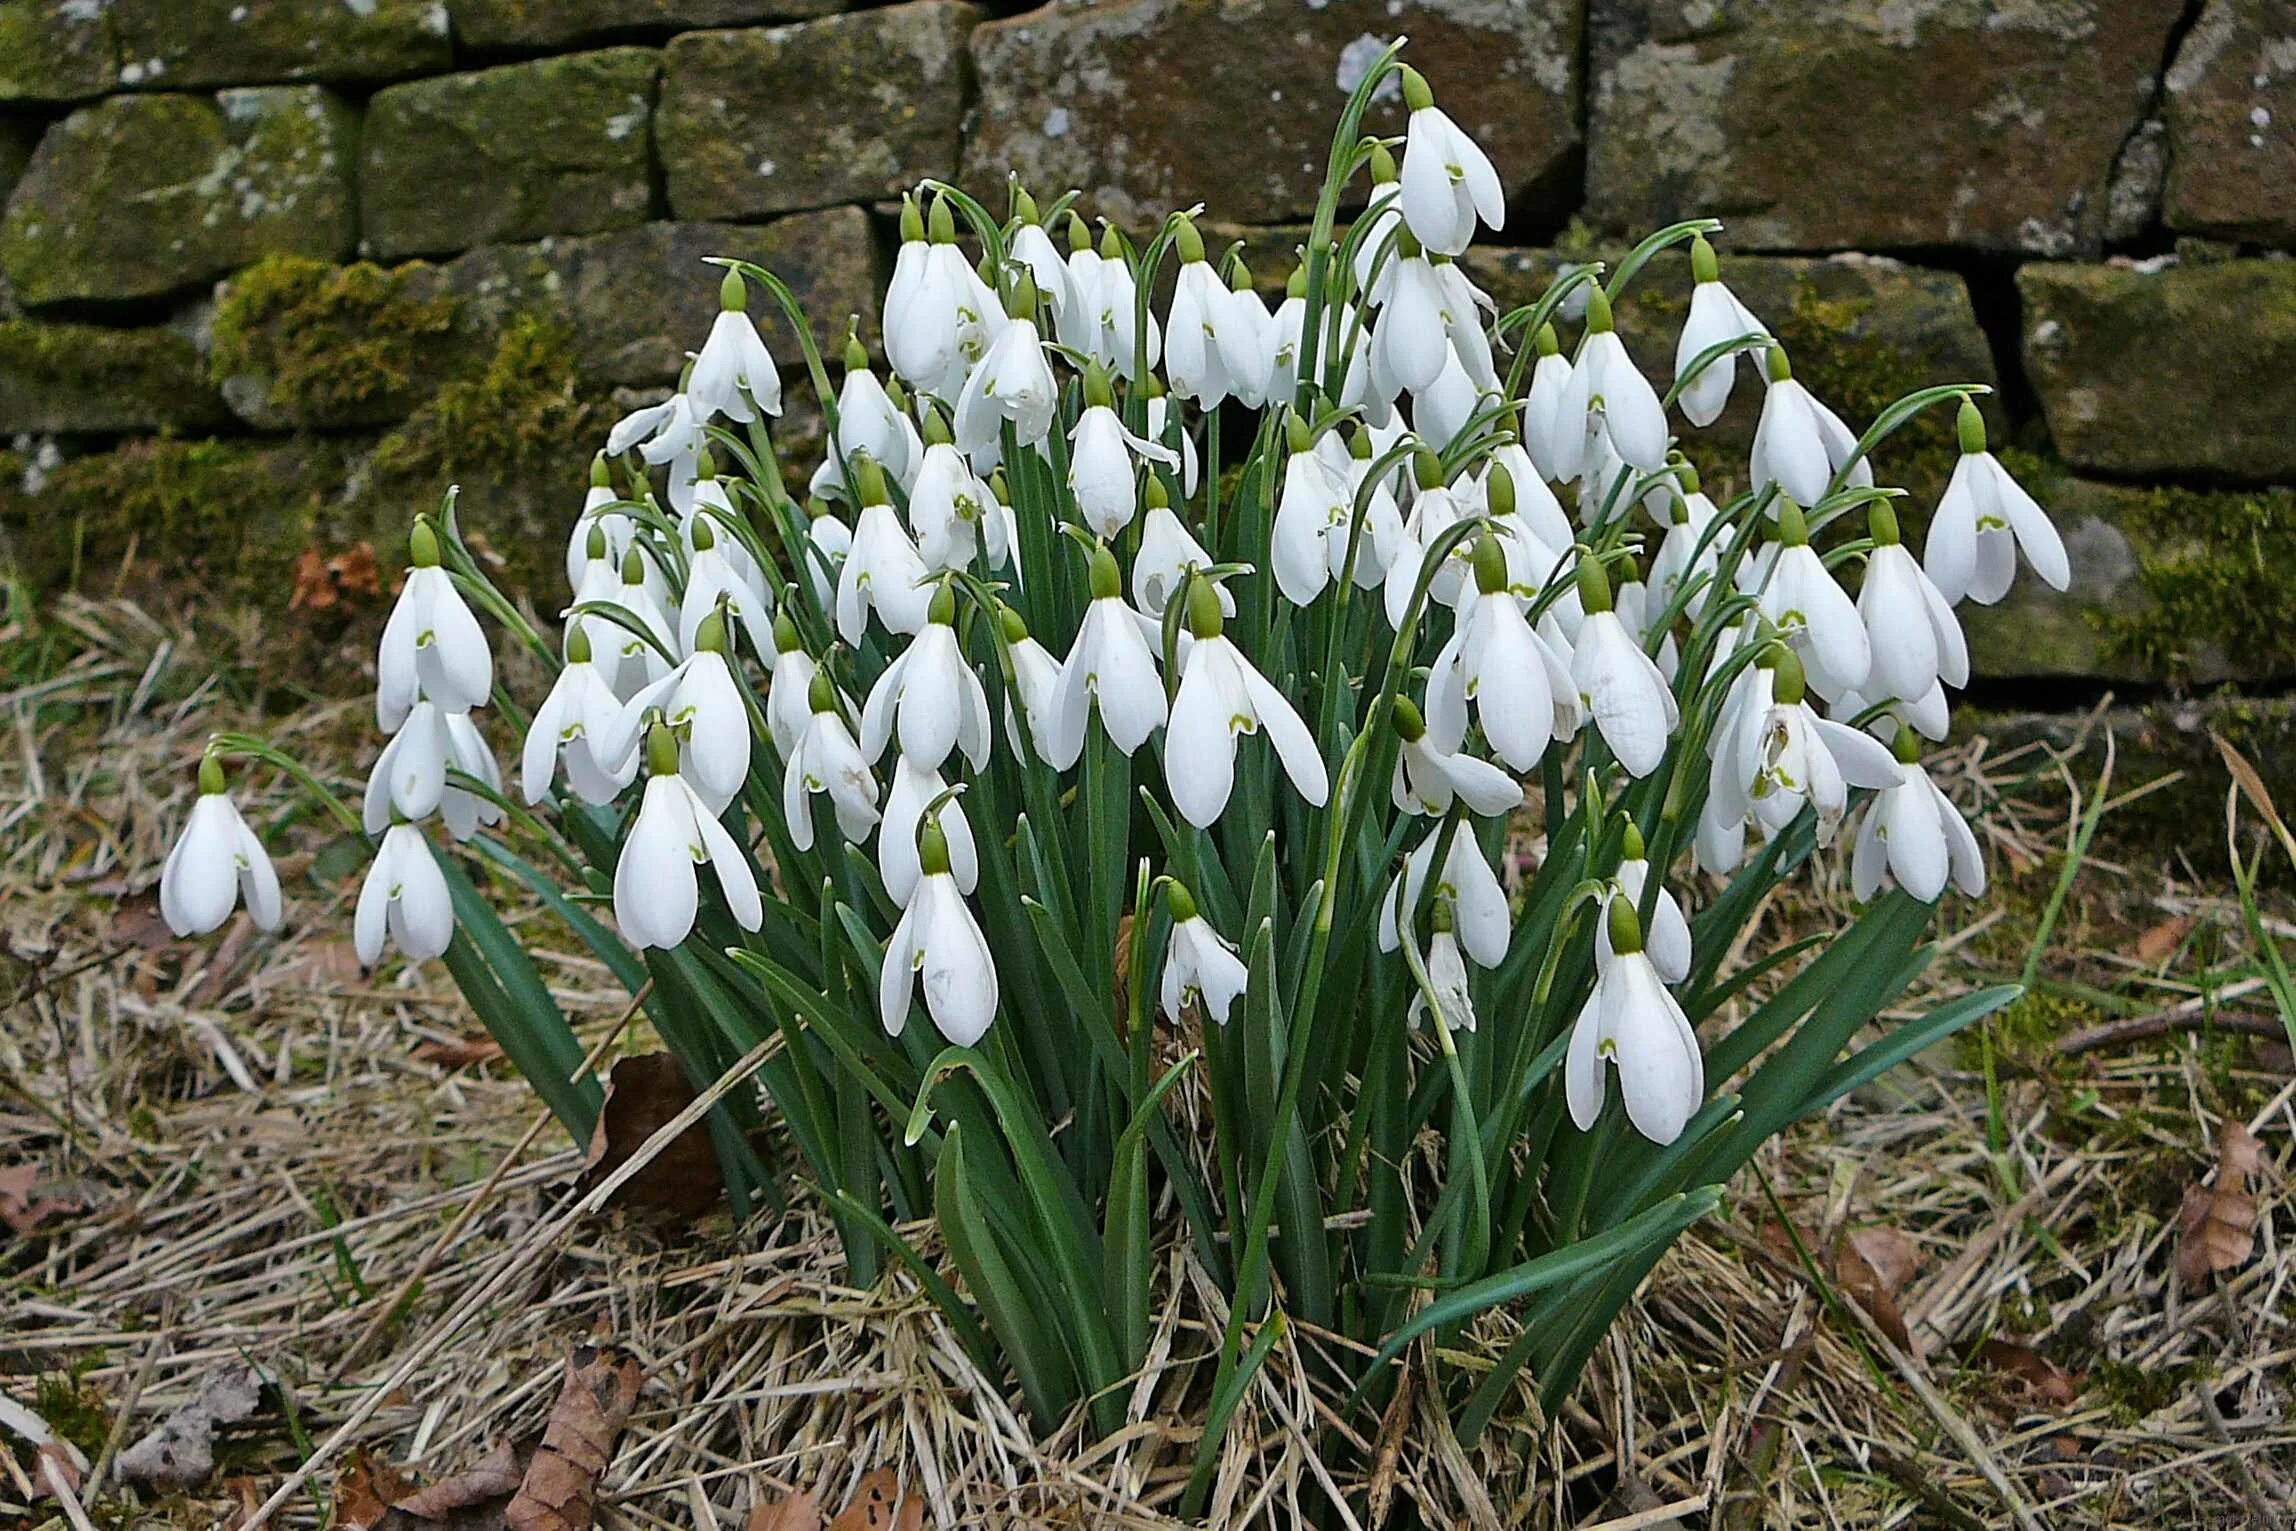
{"x": 410, "y": 776}
{"x": 1382, "y": 220}
{"x": 1168, "y": 550}
{"x": 909, "y": 794}
{"x": 1036, "y": 678}
{"x": 702, "y": 705}
{"x": 827, "y": 541}
{"x": 1110, "y": 666}
{"x": 1443, "y": 409}
{"x": 1032, "y": 247}
{"x": 1619, "y": 684}
{"x": 1554, "y": 443}
{"x": 1609, "y": 403}
{"x": 1159, "y": 413}
{"x": 827, "y": 760}
{"x": 631, "y": 660}
{"x": 734, "y": 374}
{"x": 1668, "y": 937}
{"x": 1114, "y": 304}
{"x": 656, "y": 889}
{"x": 1800, "y": 444}
{"x": 883, "y": 572}
{"x": 1630, "y": 1020}
{"x": 1910, "y": 628}
{"x": 1812, "y": 612}
{"x": 1687, "y": 552}
{"x": 1429, "y": 778}
{"x": 580, "y": 709}
{"x": 1929, "y": 713}
{"x": 600, "y": 533}
{"x": 937, "y": 308}
{"x": 432, "y": 646}
{"x": 1103, "y": 467}
{"x": 1448, "y": 182}
{"x": 1983, "y": 519}
{"x": 938, "y": 938}
{"x": 953, "y": 511}
{"x": 1012, "y": 383}
{"x": 1308, "y": 542}
{"x": 1221, "y": 696}
{"x": 1285, "y": 329}
{"x": 1209, "y": 343}
{"x": 1527, "y": 502}
{"x": 1436, "y": 507}
{"x": 670, "y": 432}
{"x": 404, "y": 899}
{"x": 716, "y": 580}
{"x": 1200, "y": 964}
{"x": 216, "y": 862}
{"x": 1244, "y": 339}
{"x": 870, "y": 425}
{"x": 929, "y": 698}
{"x": 1643, "y": 619}
{"x": 1716, "y": 316}
{"x": 1408, "y": 347}
{"x": 1446, "y": 975}
{"x": 1078, "y": 325}
{"x": 1467, "y": 884}
{"x": 1520, "y": 688}
{"x": 1914, "y": 832}
{"x": 789, "y": 687}
{"x": 1792, "y": 757}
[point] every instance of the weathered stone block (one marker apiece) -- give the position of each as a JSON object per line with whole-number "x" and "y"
{"x": 1150, "y": 105}
{"x": 1807, "y": 124}
{"x": 2167, "y": 368}
{"x": 56, "y": 50}
{"x": 783, "y": 118}
{"x": 557, "y": 146}
{"x": 183, "y": 44}
{"x": 139, "y": 196}
{"x": 93, "y": 379}
{"x": 557, "y": 23}
{"x": 2231, "y": 109}
{"x": 306, "y": 344}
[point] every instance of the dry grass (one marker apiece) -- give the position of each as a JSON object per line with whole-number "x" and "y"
{"x": 265, "y": 1162}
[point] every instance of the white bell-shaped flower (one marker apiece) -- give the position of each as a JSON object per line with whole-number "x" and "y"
{"x": 1168, "y": 551}
{"x": 1115, "y": 306}
{"x": 630, "y": 659}
{"x": 1526, "y": 502}
{"x": 1555, "y": 444}
{"x": 1914, "y": 833}
{"x": 1441, "y": 412}
{"x": 1205, "y": 337}
{"x": 1382, "y": 221}
{"x": 1800, "y": 444}
{"x": 1811, "y": 611}
{"x": 1221, "y": 696}
{"x": 1383, "y": 537}
{"x": 671, "y": 432}
{"x": 734, "y": 374}
{"x": 1620, "y": 685}
{"x": 410, "y": 777}
{"x": 907, "y": 796}
{"x": 1983, "y": 519}
{"x": 1793, "y": 757}
{"x": 1478, "y": 904}
{"x": 1436, "y": 507}
{"x": 432, "y": 646}
{"x": 1716, "y": 316}
{"x": 601, "y": 533}
{"x": 1078, "y": 325}
{"x": 1244, "y": 339}
{"x": 1630, "y": 1020}
{"x": 954, "y": 512}
{"x": 1667, "y": 937}
{"x": 828, "y": 539}
{"x": 883, "y": 571}
{"x": 1448, "y": 182}
{"x": 827, "y": 760}
{"x": 1314, "y": 514}
{"x": 715, "y": 581}
{"x": 404, "y": 899}
{"x": 789, "y": 687}
{"x": 216, "y": 862}
{"x": 1608, "y": 393}
{"x": 938, "y": 939}
{"x": 1200, "y": 964}
{"x": 702, "y": 705}
{"x": 1691, "y": 550}
{"x": 1103, "y": 460}
{"x": 869, "y": 424}
{"x": 1429, "y": 778}
{"x": 1930, "y": 714}
{"x": 929, "y": 698}
{"x": 580, "y": 709}
{"x": 1446, "y": 974}
{"x": 1160, "y": 412}
{"x": 1914, "y": 637}
{"x": 1035, "y": 681}
{"x": 937, "y": 308}
{"x": 657, "y": 891}
{"x": 1408, "y": 347}
{"x": 1032, "y": 247}
{"x": 1110, "y": 666}
{"x": 1285, "y": 329}
{"x": 1011, "y": 383}
{"x": 1520, "y": 688}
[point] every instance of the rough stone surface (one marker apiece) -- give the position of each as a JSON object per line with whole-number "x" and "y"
{"x": 556, "y": 23}
{"x": 1150, "y": 105}
{"x": 1805, "y": 124}
{"x": 557, "y": 146}
{"x": 2186, "y": 369}
{"x": 138, "y": 196}
{"x": 56, "y": 50}
{"x": 2231, "y": 110}
{"x": 185, "y": 44}
{"x": 93, "y": 379}
{"x": 778, "y": 119}
{"x": 2039, "y": 633}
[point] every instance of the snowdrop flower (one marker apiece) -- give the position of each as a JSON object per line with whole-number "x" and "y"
{"x": 1440, "y": 411}
{"x": 1078, "y": 325}
{"x": 1212, "y": 347}
{"x": 405, "y": 899}
{"x": 734, "y": 374}
{"x": 1525, "y": 504}
{"x": 869, "y": 424}
{"x": 1983, "y": 519}
{"x": 669, "y": 432}
{"x": 1160, "y": 411}
{"x": 1929, "y": 713}
{"x": 1800, "y": 444}
{"x": 1448, "y": 182}
{"x": 1115, "y": 304}
{"x": 1467, "y": 883}
{"x": 1011, "y": 383}
{"x": 1811, "y": 612}
{"x": 938, "y": 938}
{"x": 1167, "y": 552}
{"x": 1914, "y": 832}
{"x": 432, "y": 646}
{"x": 827, "y": 760}
{"x": 1620, "y": 685}
{"x": 1111, "y": 666}
{"x": 1034, "y": 678}
{"x": 1032, "y": 247}
{"x": 1668, "y": 938}
{"x": 1200, "y": 964}
{"x": 656, "y": 890}
{"x": 715, "y": 581}
{"x": 1520, "y": 688}
{"x": 216, "y": 862}
{"x": 827, "y": 540}
{"x": 953, "y": 511}
{"x": 1383, "y": 534}
{"x": 937, "y": 308}
{"x": 1429, "y": 778}
{"x": 1435, "y": 509}
{"x": 911, "y": 792}
{"x": 1308, "y": 542}
{"x": 1409, "y": 346}
{"x": 1221, "y": 696}
{"x": 1551, "y": 443}
{"x": 1620, "y": 410}
{"x": 409, "y": 779}
{"x": 600, "y": 532}
{"x": 1103, "y": 472}
{"x": 789, "y": 687}
{"x": 580, "y": 709}
{"x": 929, "y": 698}
{"x": 1383, "y": 220}
{"x": 1630, "y": 1020}
{"x": 1244, "y": 338}
{"x": 883, "y": 572}
{"x": 1686, "y": 552}
{"x": 1794, "y": 757}
{"x": 702, "y": 705}
{"x": 1641, "y": 617}
{"x": 1446, "y": 975}
{"x": 1716, "y": 315}
{"x": 632, "y": 660}
{"x": 1910, "y": 627}
{"x": 1282, "y": 337}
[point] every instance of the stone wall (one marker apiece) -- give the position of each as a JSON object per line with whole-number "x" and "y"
{"x": 275, "y": 270}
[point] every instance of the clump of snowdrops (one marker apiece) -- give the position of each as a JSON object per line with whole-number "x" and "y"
{"x": 1144, "y": 702}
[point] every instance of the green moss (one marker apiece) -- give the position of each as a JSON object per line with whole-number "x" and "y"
{"x": 73, "y": 1409}
{"x": 2215, "y": 567}
{"x": 2133, "y": 1392}
{"x": 327, "y": 344}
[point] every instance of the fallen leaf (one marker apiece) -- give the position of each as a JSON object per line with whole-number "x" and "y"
{"x": 180, "y": 1451}
{"x": 365, "y": 1490}
{"x": 643, "y": 1095}
{"x": 2159, "y": 942}
{"x": 55, "y": 1460}
{"x": 1873, "y": 1265}
{"x": 2044, "y": 1381}
{"x": 799, "y": 1512}
{"x": 471, "y": 1500}
{"x": 2252, "y": 787}
{"x": 320, "y": 581}
{"x": 458, "y": 1052}
{"x": 877, "y": 1505}
{"x": 560, "y": 1490}
{"x": 27, "y": 1203}
{"x": 2216, "y": 1227}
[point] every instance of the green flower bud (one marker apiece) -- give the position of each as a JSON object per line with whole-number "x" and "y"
{"x": 1625, "y": 926}
{"x": 1157, "y": 496}
{"x": 422, "y": 544}
{"x": 1188, "y": 242}
{"x": 1111, "y": 244}
{"x": 912, "y": 221}
{"x": 210, "y": 775}
{"x": 941, "y": 223}
{"x": 1426, "y": 468}
{"x": 856, "y": 354}
{"x": 1499, "y": 490}
{"x": 1105, "y": 580}
{"x": 1417, "y": 97}
{"x": 1789, "y": 683}
{"x": 1410, "y": 727}
{"x": 998, "y": 488}
{"x": 705, "y": 465}
{"x": 1023, "y": 205}
{"x": 932, "y": 846}
{"x": 1296, "y": 432}
{"x": 1776, "y": 365}
{"x": 1881, "y": 521}
{"x": 703, "y": 537}
{"x": 594, "y": 546}
{"x": 1407, "y": 245}
{"x": 1239, "y": 276}
{"x": 896, "y": 395}
{"x": 785, "y": 639}
{"x": 1022, "y": 303}
{"x": 1632, "y": 848}
{"x": 868, "y": 478}
{"x": 1593, "y": 584}
{"x": 1598, "y": 318}
{"x": 1359, "y": 444}
{"x": 1969, "y": 424}
{"x": 733, "y": 292}
{"x": 601, "y": 473}
{"x": 1079, "y": 237}
{"x": 1383, "y": 171}
{"x": 821, "y": 695}
{"x": 1490, "y": 565}
{"x": 1179, "y": 900}
{"x": 577, "y": 644}
{"x": 942, "y": 608}
{"x": 1793, "y": 526}
{"x": 1098, "y": 391}
{"x": 1704, "y": 267}
{"x": 1686, "y": 474}
{"x": 633, "y": 566}
{"x": 1204, "y": 619}
{"x": 1015, "y": 630}
{"x": 937, "y": 432}
{"x": 1548, "y": 342}
{"x": 661, "y": 751}
{"x": 1907, "y": 745}
{"x": 709, "y": 637}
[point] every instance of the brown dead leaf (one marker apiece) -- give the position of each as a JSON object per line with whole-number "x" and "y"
{"x": 2252, "y": 787}
{"x": 320, "y": 581}
{"x": 365, "y": 1490}
{"x": 28, "y": 1204}
{"x": 2044, "y": 1382}
{"x": 471, "y": 1500}
{"x": 560, "y": 1490}
{"x": 799, "y": 1512}
{"x": 643, "y": 1095}
{"x": 1873, "y": 1265}
{"x": 458, "y": 1052}
{"x": 2159, "y": 942}
{"x": 180, "y": 1452}
{"x": 878, "y": 1505}
{"x": 2216, "y": 1227}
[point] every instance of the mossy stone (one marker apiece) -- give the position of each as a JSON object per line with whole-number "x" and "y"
{"x": 558, "y": 23}
{"x": 2228, "y": 100}
{"x": 777, "y": 119}
{"x": 18, "y": 138}
{"x": 93, "y": 379}
{"x": 186, "y": 44}
{"x": 302, "y": 343}
{"x": 54, "y": 51}
{"x": 142, "y": 196}
{"x": 2166, "y": 368}
{"x": 555, "y": 146}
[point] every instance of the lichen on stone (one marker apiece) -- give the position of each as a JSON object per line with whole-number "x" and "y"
{"x": 313, "y": 343}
